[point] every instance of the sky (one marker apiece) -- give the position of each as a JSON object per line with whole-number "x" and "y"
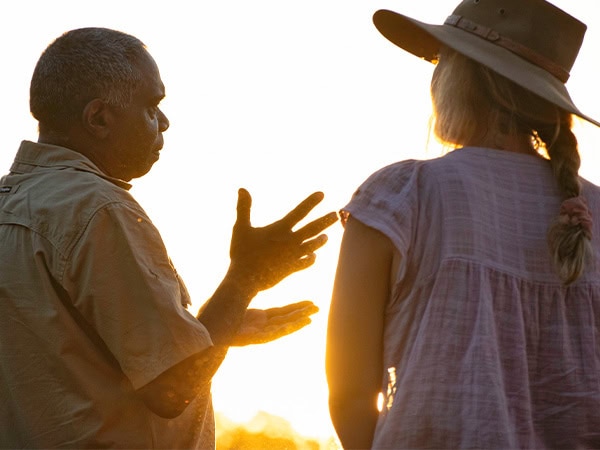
{"x": 282, "y": 97}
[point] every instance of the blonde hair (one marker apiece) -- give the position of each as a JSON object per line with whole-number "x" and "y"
{"x": 473, "y": 104}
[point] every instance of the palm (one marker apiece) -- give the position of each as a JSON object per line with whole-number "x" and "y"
{"x": 261, "y": 326}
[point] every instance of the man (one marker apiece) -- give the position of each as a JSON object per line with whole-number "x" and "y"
{"x": 96, "y": 346}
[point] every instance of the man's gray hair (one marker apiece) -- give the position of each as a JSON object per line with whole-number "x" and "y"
{"x": 82, "y": 65}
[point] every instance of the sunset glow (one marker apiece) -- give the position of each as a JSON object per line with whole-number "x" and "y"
{"x": 282, "y": 98}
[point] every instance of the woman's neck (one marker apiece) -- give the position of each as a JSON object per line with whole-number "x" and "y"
{"x": 517, "y": 143}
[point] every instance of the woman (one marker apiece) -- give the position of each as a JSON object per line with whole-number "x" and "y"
{"x": 468, "y": 287}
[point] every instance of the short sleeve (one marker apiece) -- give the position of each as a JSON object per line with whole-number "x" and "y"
{"x": 120, "y": 278}
{"x": 388, "y": 201}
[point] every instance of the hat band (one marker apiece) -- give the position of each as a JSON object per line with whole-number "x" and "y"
{"x": 504, "y": 42}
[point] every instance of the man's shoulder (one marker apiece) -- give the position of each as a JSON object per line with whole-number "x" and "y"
{"x": 70, "y": 188}
{"x": 58, "y": 204}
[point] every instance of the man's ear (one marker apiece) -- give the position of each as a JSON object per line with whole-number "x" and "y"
{"x": 96, "y": 118}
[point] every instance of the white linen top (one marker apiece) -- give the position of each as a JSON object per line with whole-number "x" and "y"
{"x": 483, "y": 345}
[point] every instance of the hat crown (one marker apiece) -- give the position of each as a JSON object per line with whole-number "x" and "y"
{"x": 530, "y": 42}
{"x": 534, "y": 24}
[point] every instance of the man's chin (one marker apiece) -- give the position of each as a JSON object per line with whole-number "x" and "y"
{"x": 139, "y": 172}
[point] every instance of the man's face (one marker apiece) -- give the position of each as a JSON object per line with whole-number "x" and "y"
{"x": 136, "y": 130}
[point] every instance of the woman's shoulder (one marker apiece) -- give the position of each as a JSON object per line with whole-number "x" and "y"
{"x": 591, "y": 192}
{"x": 398, "y": 172}
{"x": 589, "y": 187}
{"x": 416, "y": 171}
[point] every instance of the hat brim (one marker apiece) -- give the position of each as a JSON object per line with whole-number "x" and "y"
{"x": 424, "y": 41}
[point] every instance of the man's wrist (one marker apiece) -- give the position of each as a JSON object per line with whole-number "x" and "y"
{"x": 243, "y": 280}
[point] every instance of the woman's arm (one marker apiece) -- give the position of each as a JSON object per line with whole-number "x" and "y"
{"x": 354, "y": 337}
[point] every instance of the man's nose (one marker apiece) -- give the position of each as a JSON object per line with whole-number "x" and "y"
{"x": 163, "y": 121}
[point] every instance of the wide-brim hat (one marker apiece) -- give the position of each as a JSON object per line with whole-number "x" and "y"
{"x": 530, "y": 42}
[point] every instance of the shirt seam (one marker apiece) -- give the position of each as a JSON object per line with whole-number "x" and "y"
{"x": 501, "y": 270}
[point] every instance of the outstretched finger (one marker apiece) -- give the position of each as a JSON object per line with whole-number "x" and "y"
{"x": 303, "y": 208}
{"x": 312, "y": 245}
{"x": 274, "y": 332}
{"x": 316, "y": 226}
{"x": 305, "y": 307}
{"x": 303, "y": 263}
{"x": 244, "y": 204}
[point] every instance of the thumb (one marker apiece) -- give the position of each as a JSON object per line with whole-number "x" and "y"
{"x": 243, "y": 208}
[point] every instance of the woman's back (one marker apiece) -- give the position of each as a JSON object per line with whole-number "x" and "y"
{"x": 483, "y": 344}
{"x": 467, "y": 289}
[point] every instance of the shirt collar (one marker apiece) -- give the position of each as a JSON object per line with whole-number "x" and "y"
{"x": 32, "y": 155}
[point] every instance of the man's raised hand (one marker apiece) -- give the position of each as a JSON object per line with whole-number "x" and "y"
{"x": 263, "y": 256}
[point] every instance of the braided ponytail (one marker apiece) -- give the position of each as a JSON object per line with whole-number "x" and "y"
{"x": 470, "y": 99}
{"x": 569, "y": 236}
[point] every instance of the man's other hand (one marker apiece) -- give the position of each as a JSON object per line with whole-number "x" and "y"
{"x": 266, "y": 325}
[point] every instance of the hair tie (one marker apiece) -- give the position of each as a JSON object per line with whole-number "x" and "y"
{"x": 574, "y": 211}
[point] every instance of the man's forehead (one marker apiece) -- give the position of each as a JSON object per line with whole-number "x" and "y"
{"x": 151, "y": 77}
